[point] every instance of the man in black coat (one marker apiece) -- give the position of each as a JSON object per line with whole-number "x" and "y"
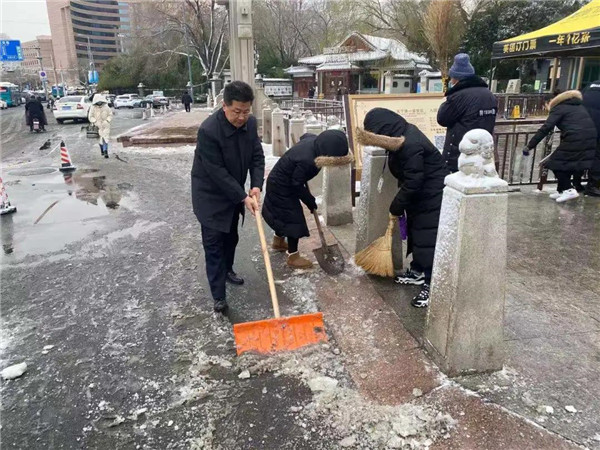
{"x": 591, "y": 101}
{"x": 420, "y": 170}
{"x": 469, "y": 105}
{"x": 35, "y": 110}
{"x": 228, "y": 148}
{"x": 578, "y": 141}
{"x": 186, "y": 99}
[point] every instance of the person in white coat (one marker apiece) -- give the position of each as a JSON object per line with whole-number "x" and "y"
{"x": 100, "y": 115}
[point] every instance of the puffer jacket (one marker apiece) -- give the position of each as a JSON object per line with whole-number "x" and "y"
{"x": 469, "y": 105}
{"x": 578, "y": 133}
{"x": 101, "y": 116}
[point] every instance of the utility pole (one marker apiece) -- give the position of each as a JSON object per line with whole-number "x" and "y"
{"x": 39, "y": 58}
{"x": 189, "y": 62}
{"x": 90, "y": 60}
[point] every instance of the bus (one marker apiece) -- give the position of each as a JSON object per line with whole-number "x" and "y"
{"x": 10, "y": 93}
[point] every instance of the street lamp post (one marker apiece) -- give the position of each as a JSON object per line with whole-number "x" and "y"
{"x": 39, "y": 58}
{"x": 189, "y": 62}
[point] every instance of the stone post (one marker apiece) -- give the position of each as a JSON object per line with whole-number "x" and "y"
{"x": 337, "y": 195}
{"x": 296, "y": 126}
{"x": 388, "y": 81}
{"x": 373, "y": 206}
{"x": 277, "y": 135}
{"x": 266, "y": 123}
{"x": 464, "y": 330}
{"x": 312, "y": 125}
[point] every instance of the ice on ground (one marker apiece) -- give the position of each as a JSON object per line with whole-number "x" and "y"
{"x": 570, "y": 408}
{"x": 14, "y": 371}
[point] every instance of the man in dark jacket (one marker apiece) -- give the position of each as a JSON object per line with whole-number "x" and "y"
{"x": 420, "y": 170}
{"x": 35, "y": 110}
{"x": 578, "y": 141}
{"x": 469, "y": 104}
{"x": 228, "y": 149}
{"x": 186, "y": 99}
{"x": 591, "y": 101}
{"x": 287, "y": 187}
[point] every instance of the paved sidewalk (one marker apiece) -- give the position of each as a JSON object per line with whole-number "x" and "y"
{"x": 552, "y": 330}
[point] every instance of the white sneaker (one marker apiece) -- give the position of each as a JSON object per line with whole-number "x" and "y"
{"x": 569, "y": 194}
{"x": 555, "y": 195}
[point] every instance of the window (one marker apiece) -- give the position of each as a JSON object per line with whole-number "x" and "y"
{"x": 395, "y": 84}
{"x": 406, "y": 84}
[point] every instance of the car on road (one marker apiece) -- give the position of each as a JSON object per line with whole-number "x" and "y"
{"x": 127, "y": 101}
{"x": 72, "y": 107}
{"x": 3, "y": 104}
{"x": 156, "y": 101}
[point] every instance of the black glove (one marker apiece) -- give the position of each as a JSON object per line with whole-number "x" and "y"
{"x": 526, "y": 151}
{"x": 312, "y": 205}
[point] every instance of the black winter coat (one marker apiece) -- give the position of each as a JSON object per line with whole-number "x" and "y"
{"x": 186, "y": 99}
{"x": 224, "y": 156}
{"x": 578, "y": 134}
{"x": 420, "y": 170}
{"x": 469, "y": 105}
{"x": 287, "y": 182}
{"x": 591, "y": 101}
{"x": 35, "y": 110}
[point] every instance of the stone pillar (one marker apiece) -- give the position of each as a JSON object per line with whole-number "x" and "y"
{"x": 296, "y": 129}
{"x": 337, "y": 195}
{"x": 277, "y": 135}
{"x": 312, "y": 125}
{"x": 266, "y": 124}
{"x": 373, "y": 206}
{"x": 464, "y": 330}
{"x": 241, "y": 40}
{"x": 388, "y": 81}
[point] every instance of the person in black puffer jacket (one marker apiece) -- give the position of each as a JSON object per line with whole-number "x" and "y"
{"x": 469, "y": 105}
{"x": 286, "y": 188}
{"x": 420, "y": 170}
{"x": 578, "y": 140}
{"x": 591, "y": 101}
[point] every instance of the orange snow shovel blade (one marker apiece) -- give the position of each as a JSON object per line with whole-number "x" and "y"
{"x": 281, "y": 334}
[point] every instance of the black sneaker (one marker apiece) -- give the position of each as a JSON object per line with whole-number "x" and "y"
{"x": 421, "y": 300}
{"x": 410, "y": 277}
{"x": 233, "y": 278}
{"x": 221, "y": 306}
{"x": 592, "y": 191}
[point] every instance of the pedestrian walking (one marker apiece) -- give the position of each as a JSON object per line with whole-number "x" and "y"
{"x": 227, "y": 150}
{"x": 100, "y": 115}
{"x": 420, "y": 170}
{"x": 469, "y": 105}
{"x": 186, "y": 99}
{"x": 311, "y": 92}
{"x": 578, "y": 141}
{"x": 287, "y": 187}
{"x": 591, "y": 101}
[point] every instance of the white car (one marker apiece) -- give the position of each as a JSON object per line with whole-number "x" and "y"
{"x": 3, "y": 104}
{"x": 127, "y": 101}
{"x": 72, "y": 107}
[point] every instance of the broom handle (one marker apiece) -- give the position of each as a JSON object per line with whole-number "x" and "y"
{"x": 265, "y": 252}
{"x": 321, "y": 235}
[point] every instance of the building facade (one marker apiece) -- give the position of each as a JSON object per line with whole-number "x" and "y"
{"x": 87, "y": 33}
{"x": 366, "y": 64}
{"x": 38, "y": 55}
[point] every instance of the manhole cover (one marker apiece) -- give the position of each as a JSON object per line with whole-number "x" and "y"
{"x": 30, "y": 172}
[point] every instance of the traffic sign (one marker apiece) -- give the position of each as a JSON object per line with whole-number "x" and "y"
{"x": 43, "y": 75}
{"x": 10, "y": 51}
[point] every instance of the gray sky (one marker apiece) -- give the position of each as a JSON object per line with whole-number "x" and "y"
{"x": 24, "y": 19}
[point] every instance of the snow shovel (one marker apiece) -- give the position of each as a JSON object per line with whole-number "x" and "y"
{"x": 329, "y": 256}
{"x": 280, "y": 333}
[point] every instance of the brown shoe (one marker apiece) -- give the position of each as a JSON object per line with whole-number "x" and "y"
{"x": 295, "y": 261}
{"x": 279, "y": 244}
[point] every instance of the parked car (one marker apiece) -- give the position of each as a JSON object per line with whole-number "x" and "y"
{"x": 157, "y": 101}
{"x": 127, "y": 101}
{"x": 72, "y": 107}
{"x": 3, "y": 104}
{"x": 110, "y": 98}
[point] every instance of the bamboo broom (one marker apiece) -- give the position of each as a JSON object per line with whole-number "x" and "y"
{"x": 376, "y": 259}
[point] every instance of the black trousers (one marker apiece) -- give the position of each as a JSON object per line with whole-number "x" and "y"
{"x": 563, "y": 177}
{"x": 219, "y": 253}
{"x": 188, "y": 107}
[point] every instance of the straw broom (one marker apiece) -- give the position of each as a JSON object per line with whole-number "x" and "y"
{"x": 376, "y": 259}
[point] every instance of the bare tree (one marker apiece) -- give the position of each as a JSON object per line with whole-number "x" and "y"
{"x": 444, "y": 28}
{"x": 197, "y": 27}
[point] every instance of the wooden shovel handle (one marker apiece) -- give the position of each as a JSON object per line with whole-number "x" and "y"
{"x": 321, "y": 235}
{"x": 265, "y": 252}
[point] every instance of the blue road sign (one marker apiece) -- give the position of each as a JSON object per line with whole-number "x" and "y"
{"x": 10, "y": 51}
{"x": 93, "y": 77}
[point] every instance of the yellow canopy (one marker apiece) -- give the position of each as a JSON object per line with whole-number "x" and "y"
{"x": 577, "y": 34}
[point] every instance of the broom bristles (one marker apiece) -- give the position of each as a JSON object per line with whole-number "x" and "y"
{"x": 376, "y": 259}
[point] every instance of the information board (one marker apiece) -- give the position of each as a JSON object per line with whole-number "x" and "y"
{"x": 10, "y": 51}
{"x": 418, "y": 109}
